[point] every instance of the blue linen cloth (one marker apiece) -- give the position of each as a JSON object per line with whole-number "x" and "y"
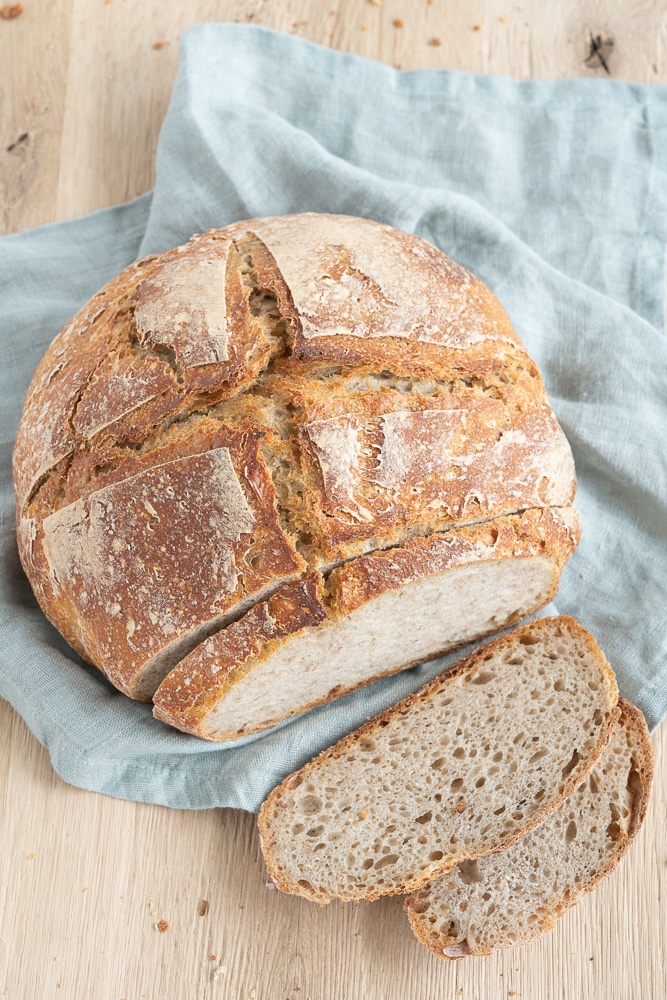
{"x": 554, "y": 193}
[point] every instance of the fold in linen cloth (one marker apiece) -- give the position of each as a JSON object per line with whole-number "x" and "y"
{"x": 554, "y": 193}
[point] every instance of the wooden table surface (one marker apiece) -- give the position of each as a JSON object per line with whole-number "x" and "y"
{"x": 85, "y": 880}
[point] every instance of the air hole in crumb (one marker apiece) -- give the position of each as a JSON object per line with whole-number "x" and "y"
{"x": 368, "y": 863}
{"x": 468, "y": 872}
{"x": 571, "y": 832}
{"x": 310, "y": 804}
{"x": 483, "y": 678}
{"x": 480, "y": 782}
{"x": 387, "y": 859}
{"x": 297, "y": 828}
{"x": 424, "y": 818}
{"x": 315, "y": 831}
{"x": 597, "y": 717}
{"x": 459, "y": 753}
{"x": 559, "y": 685}
{"x": 574, "y": 760}
{"x": 456, "y": 784}
{"x": 435, "y": 856}
{"x": 538, "y": 755}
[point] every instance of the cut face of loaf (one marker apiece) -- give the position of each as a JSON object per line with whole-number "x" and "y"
{"x": 269, "y": 401}
{"x": 515, "y": 896}
{"x": 319, "y": 639}
{"x": 464, "y": 768}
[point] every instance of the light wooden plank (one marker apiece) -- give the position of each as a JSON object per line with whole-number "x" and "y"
{"x": 94, "y": 102}
{"x": 96, "y": 116}
{"x": 85, "y": 879}
{"x": 34, "y": 55}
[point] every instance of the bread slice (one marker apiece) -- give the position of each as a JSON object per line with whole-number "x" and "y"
{"x": 317, "y": 639}
{"x": 514, "y": 897}
{"x": 465, "y": 767}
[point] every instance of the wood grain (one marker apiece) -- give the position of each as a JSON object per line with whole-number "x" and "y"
{"x": 86, "y": 879}
{"x": 89, "y": 81}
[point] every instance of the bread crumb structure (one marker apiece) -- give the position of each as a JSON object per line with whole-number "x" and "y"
{"x": 513, "y": 897}
{"x": 465, "y": 767}
{"x": 245, "y": 459}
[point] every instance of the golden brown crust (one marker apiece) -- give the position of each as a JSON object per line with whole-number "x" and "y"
{"x": 639, "y": 781}
{"x": 388, "y": 392}
{"x": 205, "y": 677}
{"x": 208, "y": 673}
{"x": 553, "y": 532}
{"x": 148, "y": 558}
{"x": 468, "y": 664}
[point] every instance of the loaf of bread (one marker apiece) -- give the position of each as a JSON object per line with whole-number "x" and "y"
{"x": 245, "y": 457}
{"x": 515, "y": 896}
{"x": 464, "y": 768}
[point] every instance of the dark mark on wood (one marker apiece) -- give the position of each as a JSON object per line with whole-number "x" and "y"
{"x": 600, "y": 47}
{"x": 21, "y": 139}
{"x": 203, "y": 907}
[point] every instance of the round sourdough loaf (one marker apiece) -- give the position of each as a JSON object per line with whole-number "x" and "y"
{"x": 289, "y": 457}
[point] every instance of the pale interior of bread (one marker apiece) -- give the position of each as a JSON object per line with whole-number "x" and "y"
{"x": 403, "y": 626}
{"x": 513, "y": 897}
{"x": 457, "y": 773}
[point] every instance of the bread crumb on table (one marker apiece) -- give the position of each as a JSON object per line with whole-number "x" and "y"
{"x": 434, "y": 42}
{"x": 11, "y": 11}
{"x": 398, "y": 23}
{"x": 162, "y": 926}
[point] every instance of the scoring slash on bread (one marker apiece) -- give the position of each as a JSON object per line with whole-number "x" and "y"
{"x": 245, "y": 457}
{"x": 464, "y": 768}
{"x": 513, "y": 897}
